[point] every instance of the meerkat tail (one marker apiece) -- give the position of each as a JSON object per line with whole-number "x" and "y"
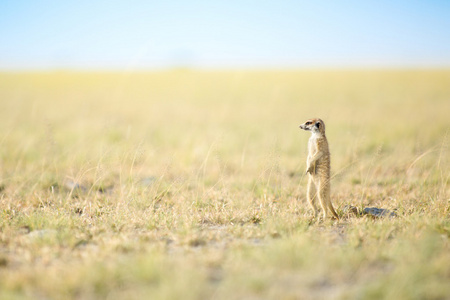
{"x": 330, "y": 206}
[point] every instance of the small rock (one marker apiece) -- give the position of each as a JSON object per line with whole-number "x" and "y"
{"x": 378, "y": 212}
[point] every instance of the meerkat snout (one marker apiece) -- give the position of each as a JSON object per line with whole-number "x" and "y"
{"x": 305, "y": 126}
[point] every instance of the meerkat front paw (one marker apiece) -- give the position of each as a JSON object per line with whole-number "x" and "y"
{"x": 310, "y": 169}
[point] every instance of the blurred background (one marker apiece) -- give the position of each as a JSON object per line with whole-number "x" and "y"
{"x": 94, "y": 35}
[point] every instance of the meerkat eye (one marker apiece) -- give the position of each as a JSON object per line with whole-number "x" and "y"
{"x": 308, "y": 123}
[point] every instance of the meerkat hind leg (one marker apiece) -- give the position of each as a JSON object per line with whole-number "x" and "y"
{"x": 324, "y": 198}
{"x": 311, "y": 195}
{"x": 327, "y": 205}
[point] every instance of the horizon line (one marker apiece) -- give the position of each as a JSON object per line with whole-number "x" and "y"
{"x": 433, "y": 67}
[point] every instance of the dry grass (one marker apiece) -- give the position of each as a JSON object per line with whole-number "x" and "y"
{"x": 190, "y": 185}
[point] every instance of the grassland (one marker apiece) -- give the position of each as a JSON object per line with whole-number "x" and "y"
{"x": 189, "y": 185}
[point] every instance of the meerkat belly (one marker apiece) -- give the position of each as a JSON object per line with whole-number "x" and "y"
{"x": 312, "y": 148}
{"x": 323, "y": 167}
{"x": 322, "y": 163}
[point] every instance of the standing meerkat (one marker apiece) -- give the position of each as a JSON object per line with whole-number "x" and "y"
{"x": 318, "y": 167}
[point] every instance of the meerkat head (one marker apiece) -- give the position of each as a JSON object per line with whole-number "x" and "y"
{"x": 314, "y": 125}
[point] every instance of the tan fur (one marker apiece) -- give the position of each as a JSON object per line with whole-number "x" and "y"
{"x": 318, "y": 167}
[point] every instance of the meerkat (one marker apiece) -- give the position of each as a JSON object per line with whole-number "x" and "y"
{"x": 318, "y": 167}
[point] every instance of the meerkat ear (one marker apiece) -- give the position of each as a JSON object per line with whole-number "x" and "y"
{"x": 317, "y": 124}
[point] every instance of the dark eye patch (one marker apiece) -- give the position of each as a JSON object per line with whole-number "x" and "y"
{"x": 307, "y": 123}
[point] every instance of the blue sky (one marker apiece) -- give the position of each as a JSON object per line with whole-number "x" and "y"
{"x": 48, "y": 34}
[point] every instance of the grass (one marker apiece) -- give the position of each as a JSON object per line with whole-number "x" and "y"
{"x": 189, "y": 184}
